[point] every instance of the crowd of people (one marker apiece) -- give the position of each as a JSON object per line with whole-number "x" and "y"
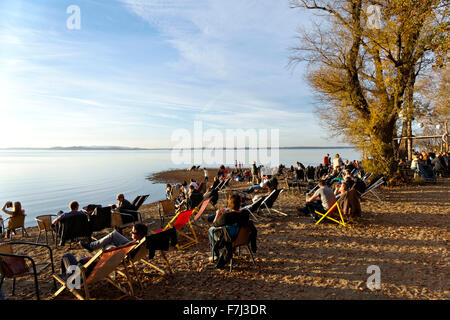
{"x": 337, "y": 181}
{"x": 429, "y": 164}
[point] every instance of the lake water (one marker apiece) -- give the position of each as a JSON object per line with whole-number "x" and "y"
{"x": 45, "y": 181}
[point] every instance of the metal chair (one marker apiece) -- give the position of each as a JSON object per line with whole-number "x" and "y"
{"x": 13, "y": 265}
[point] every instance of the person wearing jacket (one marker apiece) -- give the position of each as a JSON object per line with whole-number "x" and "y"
{"x": 232, "y": 219}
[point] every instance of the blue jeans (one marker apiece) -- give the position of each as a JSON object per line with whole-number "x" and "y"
{"x": 113, "y": 239}
{"x": 253, "y": 187}
{"x": 212, "y": 239}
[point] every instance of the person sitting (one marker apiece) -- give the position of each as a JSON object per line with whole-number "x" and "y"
{"x": 321, "y": 201}
{"x": 193, "y": 183}
{"x": 216, "y": 182}
{"x": 73, "y": 205}
{"x": 115, "y": 239}
{"x": 194, "y": 197}
{"x": 168, "y": 191}
{"x": 181, "y": 202}
{"x": 439, "y": 165}
{"x": 16, "y": 211}
{"x": 263, "y": 184}
{"x": 349, "y": 202}
{"x": 232, "y": 219}
{"x": 221, "y": 172}
{"x": 123, "y": 204}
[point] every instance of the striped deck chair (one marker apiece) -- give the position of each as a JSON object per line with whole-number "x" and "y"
{"x": 181, "y": 220}
{"x": 330, "y": 211}
{"x": 200, "y": 212}
{"x": 107, "y": 262}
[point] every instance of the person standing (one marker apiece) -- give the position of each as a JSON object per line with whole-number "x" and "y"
{"x": 326, "y": 160}
{"x": 205, "y": 172}
{"x": 337, "y": 162}
{"x": 254, "y": 173}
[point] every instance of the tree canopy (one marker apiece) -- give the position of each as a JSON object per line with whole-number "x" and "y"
{"x": 363, "y": 61}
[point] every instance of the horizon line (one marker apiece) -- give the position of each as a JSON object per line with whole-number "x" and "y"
{"x": 167, "y": 148}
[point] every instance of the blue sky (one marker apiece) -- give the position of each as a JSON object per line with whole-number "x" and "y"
{"x": 139, "y": 69}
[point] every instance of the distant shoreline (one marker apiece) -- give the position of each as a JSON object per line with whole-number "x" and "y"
{"x": 82, "y": 148}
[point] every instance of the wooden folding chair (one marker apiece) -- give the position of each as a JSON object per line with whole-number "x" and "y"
{"x": 106, "y": 262}
{"x": 139, "y": 254}
{"x": 181, "y": 220}
{"x": 331, "y": 211}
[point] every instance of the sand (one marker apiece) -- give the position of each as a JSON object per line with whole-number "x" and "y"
{"x": 406, "y": 236}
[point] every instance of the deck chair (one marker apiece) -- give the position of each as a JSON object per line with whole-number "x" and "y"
{"x": 243, "y": 239}
{"x": 44, "y": 223}
{"x": 106, "y": 262}
{"x": 254, "y": 207}
{"x": 166, "y": 208}
{"x": 139, "y": 201}
{"x": 73, "y": 227}
{"x": 181, "y": 220}
{"x": 268, "y": 202}
{"x": 140, "y": 254}
{"x": 16, "y": 222}
{"x": 220, "y": 185}
{"x": 13, "y": 265}
{"x": 371, "y": 190}
{"x": 100, "y": 219}
{"x": 333, "y": 209}
{"x": 224, "y": 185}
{"x": 200, "y": 212}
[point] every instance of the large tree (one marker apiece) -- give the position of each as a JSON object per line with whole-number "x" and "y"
{"x": 363, "y": 66}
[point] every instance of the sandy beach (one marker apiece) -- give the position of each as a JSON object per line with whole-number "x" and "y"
{"x": 406, "y": 236}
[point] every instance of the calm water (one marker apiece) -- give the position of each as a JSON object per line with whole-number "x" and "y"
{"x": 45, "y": 181}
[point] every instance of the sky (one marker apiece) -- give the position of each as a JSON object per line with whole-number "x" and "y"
{"x": 136, "y": 72}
